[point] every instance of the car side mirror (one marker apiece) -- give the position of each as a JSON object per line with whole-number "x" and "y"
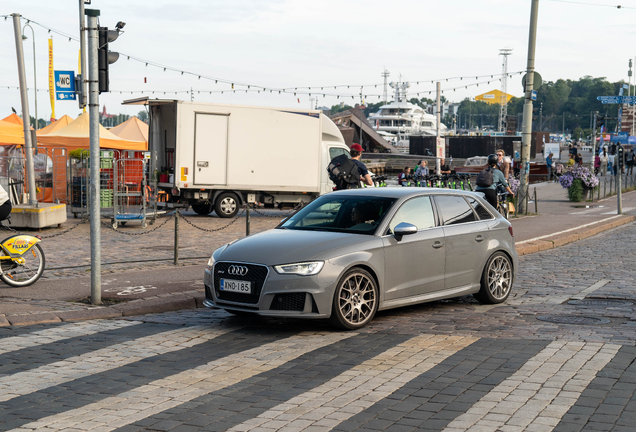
{"x": 403, "y": 229}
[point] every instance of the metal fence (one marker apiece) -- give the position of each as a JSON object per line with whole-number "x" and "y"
{"x": 134, "y": 192}
{"x": 127, "y": 190}
{"x": 12, "y": 177}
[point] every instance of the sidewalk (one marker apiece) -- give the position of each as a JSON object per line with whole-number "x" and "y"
{"x": 143, "y": 278}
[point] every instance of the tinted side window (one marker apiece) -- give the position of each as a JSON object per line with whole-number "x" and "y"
{"x": 454, "y": 209}
{"x": 417, "y": 211}
{"x": 335, "y": 151}
{"x": 479, "y": 209}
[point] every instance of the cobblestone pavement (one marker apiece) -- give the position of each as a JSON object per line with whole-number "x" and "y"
{"x": 69, "y": 254}
{"x": 535, "y": 363}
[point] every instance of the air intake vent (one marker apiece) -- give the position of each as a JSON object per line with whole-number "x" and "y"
{"x": 290, "y": 302}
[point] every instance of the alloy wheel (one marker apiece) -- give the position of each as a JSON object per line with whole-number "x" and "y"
{"x": 228, "y": 205}
{"x": 356, "y": 299}
{"x": 499, "y": 277}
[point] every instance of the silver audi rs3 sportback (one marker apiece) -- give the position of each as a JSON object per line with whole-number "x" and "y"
{"x": 351, "y": 253}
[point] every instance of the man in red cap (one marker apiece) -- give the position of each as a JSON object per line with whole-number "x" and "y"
{"x": 356, "y": 154}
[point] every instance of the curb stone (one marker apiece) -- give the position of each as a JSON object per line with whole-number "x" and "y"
{"x": 563, "y": 239}
{"x": 194, "y": 299}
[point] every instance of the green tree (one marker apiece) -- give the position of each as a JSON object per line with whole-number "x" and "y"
{"x": 143, "y": 116}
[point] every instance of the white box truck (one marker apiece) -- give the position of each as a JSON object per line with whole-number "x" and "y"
{"x": 221, "y": 156}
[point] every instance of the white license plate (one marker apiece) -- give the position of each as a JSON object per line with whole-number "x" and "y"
{"x": 242, "y": 287}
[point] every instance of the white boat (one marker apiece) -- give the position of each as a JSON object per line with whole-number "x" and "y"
{"x": 400, "y": 119}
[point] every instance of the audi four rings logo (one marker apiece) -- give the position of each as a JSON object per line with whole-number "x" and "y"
{"x": 237, "y": 270}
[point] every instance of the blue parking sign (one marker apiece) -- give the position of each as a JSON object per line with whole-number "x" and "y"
{"x": 64, "y": 85}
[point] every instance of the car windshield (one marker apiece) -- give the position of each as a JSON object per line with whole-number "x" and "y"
{"x": 338, "y": 213}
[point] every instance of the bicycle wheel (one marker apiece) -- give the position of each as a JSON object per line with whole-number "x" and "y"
{"x": 503, "y": 209}
{"x": 25, "y": 270}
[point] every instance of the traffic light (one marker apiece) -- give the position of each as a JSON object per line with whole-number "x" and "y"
{"x": 600, "y": 120}
{"x": 620, "y": 156}
{"x": 106, "y": 57}
{"x": 534, "y": 110}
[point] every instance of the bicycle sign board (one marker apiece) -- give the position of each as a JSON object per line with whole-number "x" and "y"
{"x": 617, "y": 99}
{"x": 65, "y": 85}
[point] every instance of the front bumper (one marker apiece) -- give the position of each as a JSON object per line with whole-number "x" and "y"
{"x": 289, "y": 296}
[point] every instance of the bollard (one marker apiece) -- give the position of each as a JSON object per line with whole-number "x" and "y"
{"x": 247, "y": 220}
{"x": 536, "y": 208}
{"x": 604, "y": 186}
{"x": 598, "y": 194}
{"x": 526, "y": 198}
{"x": 611, "y": 181}
{"x": 176, "y": 237}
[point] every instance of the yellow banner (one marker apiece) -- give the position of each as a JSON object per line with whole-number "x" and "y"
{"x": 51, "y": 80}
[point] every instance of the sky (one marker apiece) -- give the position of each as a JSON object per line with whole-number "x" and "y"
{"x": 287, "y": 44}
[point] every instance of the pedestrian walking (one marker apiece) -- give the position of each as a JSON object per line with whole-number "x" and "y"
{"x": 629, "y": 161}
{"x": 550, "y": 163}
{"x": 597, "y": 164}
{"x": 604, "y": 161}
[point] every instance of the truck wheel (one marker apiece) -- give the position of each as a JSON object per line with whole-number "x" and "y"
{"x": 202, "y": 209}
{"x": 226, "y": 205}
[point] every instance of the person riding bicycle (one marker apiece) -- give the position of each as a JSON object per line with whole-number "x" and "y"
{"x": 5, "y": 204}
{"x": 489, "y": 178}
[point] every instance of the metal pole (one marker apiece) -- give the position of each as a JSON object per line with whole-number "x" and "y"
{"x": 93, "y": 109}
{"x": 82, "y": 81}
{"x": 536, "y": 209}
{"x": 35, "y": 75}
{"x": 176, "y": 237}
{"x": 594, "y": 152}
{"x": 26, "y": 118}
{"x": 526, "y": 132}
{"x": 619, "y": 180}
{"x": 438, "y": 165}
{"x": 247, "y": 220}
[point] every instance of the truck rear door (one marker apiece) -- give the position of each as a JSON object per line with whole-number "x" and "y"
{"x": 210, "y": 148}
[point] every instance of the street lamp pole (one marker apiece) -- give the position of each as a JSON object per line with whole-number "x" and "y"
{"x": 35, "y": 80}
{"x": 526, "y": 131}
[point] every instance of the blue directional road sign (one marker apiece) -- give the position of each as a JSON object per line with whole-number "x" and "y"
{"x": 64, "y": 85}
{"x": 617, "y": 99}
{"x": 533, "y": 95}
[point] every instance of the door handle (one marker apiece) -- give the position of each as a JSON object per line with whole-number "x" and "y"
{"x": 438, "y": 245}
{"x": 479, "y": 238}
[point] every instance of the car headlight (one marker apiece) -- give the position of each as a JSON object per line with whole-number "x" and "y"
{"x": 302, "y": 269}
{"x": 210, "y": 263}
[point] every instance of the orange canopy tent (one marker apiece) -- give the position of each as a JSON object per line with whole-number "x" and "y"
{"x": 11, "y": 133}
{"x": 132, "y": 129}
{"x": 54, "y": 126}
{"x": 76, "y": 136}
{"x": 13, "y": 118}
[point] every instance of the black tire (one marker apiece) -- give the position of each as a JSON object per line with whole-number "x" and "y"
{"x": 202, "y": 209}
{"x": 504, "y": 210}
{"x": 496, "y": 280}
{"x": 226, "y": 205}
{"x": 27, "y": 272}
{"x": 355, "y": 300}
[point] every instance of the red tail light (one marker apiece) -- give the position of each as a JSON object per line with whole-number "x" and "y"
{"x": 510, "y": 230}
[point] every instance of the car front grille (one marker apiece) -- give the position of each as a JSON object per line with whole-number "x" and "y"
{"x": 256, "y": 274}
{"x": 288, "y": 301}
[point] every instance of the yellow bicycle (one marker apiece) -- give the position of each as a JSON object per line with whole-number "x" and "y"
{"x": 21, "y": 260}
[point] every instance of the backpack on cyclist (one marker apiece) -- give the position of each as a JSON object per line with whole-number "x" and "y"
{"x": 484, "y": 179}
{"x": 343, "y": 172}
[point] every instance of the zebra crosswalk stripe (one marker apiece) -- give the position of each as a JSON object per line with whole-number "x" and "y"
{"x": 537, "y": 396}
{"x": 355, "y": 390}
{"x": 58, "y": 333}
{"x": 160, "y": 395}
{"x": 104, "y": 359}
